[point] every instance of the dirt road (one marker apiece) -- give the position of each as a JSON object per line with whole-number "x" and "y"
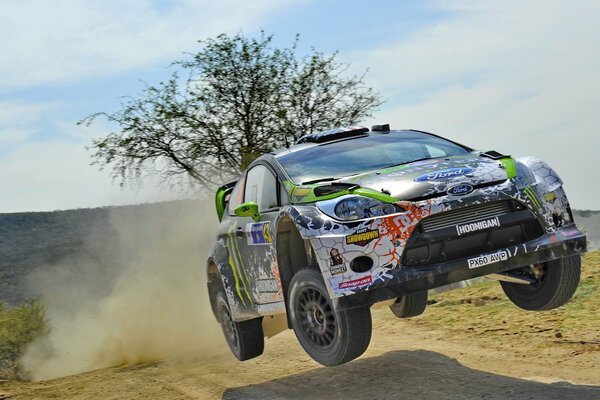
{"x": 406, "y": 359}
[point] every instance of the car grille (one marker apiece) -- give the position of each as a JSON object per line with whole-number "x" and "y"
{"x": 436, "y": 239}
{"x": 466, "y": 215}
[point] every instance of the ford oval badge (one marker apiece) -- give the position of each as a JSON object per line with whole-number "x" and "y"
{"x": 444, "y": 174}
{"x": 460, "y": 190}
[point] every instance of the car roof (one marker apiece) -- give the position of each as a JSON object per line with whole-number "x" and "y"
{"x": 305, "y": 145}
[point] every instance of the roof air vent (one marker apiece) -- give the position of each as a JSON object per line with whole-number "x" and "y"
{"x": 381, "y": 128}
{"x": 333, "y": 134}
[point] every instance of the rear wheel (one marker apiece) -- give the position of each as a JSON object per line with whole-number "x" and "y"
{"x": 245, "y": 339}
{"x": 410, "y": 305}
{"x": 330, "y": 337}
{"x": 556, "y": 282}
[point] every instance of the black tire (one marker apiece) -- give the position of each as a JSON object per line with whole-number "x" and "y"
{"x": 330, "y": 337}
{"x": 410, "y": 305}
{"x": 555, "y": 287}
{"x": 245, "y": 339}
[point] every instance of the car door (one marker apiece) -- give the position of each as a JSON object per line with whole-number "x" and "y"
{"x": 256, "y": 245}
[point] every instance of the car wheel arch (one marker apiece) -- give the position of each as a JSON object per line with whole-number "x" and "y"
{"x": 214, "y": 282}
{"x": 294, "y": 253}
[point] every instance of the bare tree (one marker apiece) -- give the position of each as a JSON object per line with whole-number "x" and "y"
{"x": 241, "y": 98}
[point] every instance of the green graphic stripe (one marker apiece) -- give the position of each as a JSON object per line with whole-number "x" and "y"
{"x": 289, "y": 186}
{"x": 535, "y": 197}
{"x": 375, "y": 195}
{"x": 230, "y": 240}
{"x": 531, "y": 194}
{"x": 244, "y": 274}
{"x": 526, "y": 190}
{"x": 308, "y": 196}
{"x": 510, "y": 166}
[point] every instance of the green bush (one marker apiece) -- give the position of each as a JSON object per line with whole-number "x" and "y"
{"x": 18, "y": 327}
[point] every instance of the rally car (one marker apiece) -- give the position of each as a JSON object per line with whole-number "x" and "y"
{"x": 313, "y": 235}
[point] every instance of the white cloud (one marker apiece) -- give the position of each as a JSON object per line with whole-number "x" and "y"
{"x": 56, "y": 175}
{"x": 48, "y": 42}
{"x": 18, "y": 121}
{"x": 519, "y": 77}
{"x": 43, "y": 161}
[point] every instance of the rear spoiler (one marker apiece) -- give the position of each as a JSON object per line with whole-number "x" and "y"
{"x": 221, "y": 197}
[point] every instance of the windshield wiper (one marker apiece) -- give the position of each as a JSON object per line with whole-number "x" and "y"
{"x": 320, "y": 180}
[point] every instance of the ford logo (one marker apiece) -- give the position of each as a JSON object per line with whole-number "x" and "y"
{"x": 444, "y": 174}
{"x": 460, "y": 190}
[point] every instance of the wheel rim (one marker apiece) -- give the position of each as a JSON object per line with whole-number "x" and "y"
{"x": 316, "y": 317}
{"x": 228, "y": 327}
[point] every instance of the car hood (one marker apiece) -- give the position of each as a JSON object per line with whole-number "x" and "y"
{"x": 430, "y": 178}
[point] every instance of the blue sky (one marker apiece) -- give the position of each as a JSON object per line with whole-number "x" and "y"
{"x": 520, "y": 77}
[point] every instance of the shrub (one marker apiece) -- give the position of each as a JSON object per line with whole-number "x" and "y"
{"x": 18, "y": 326}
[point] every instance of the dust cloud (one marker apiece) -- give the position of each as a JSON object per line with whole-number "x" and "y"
{"x": 135, "y": 293}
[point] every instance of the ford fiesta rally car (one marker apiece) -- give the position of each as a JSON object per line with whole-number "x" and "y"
{"x": 313, "y": 235}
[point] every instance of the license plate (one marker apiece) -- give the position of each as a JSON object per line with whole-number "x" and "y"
{"x": 487, "y": 259}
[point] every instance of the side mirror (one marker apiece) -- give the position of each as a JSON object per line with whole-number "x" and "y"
{"x": 248, "y": 209}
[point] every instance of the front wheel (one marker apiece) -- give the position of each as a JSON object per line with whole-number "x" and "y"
{"x": 245, "y": 339}
{"x": 330, "y": 337}
{"x": 556, "y": 282}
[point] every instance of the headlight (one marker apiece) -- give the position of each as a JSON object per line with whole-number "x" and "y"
{"x": 524, "y": 176}
{"x": 351, "y": 207}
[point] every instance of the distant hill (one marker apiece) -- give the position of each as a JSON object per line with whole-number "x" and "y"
{"x": 34, "y": 240}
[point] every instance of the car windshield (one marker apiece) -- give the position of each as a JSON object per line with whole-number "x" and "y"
{"x": 375, "y": 151}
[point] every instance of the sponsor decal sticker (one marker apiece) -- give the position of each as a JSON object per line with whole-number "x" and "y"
{"x": 362, "y": 237}
{"x": 258, "y": 233}
{"x": 356, "y": 282}
{"x": 301, "y": 193}
{"x": 477, "y": 226}
{"x": 487, "y": 259}
{"x": 267, "y": 285}
{"x": 444, "y": 174}
{"x": 551, "y": 197}
{"x": 338, "y": 269}
{"x": 460, "y": 190}
{"x": 532, "y": 196}
{"x": 336, "y": 262}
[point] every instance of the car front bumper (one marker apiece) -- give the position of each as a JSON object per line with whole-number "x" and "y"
{"x": 566, "y": 241}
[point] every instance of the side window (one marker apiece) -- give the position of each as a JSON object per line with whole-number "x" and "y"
{"x": 261, "y": 187}
{"x": 237, "y": 194}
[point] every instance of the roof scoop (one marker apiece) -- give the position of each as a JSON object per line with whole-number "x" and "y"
{"x": 493, "y": 154}
{"x": 383, "y": 128}
{"x": 334, "y": 134}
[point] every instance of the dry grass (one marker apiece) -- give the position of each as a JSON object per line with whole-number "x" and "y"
{"x": 483, "y": 316}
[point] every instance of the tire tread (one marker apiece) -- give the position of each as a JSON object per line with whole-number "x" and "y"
{"x": 563, "y": 278}
{"x": 250, "y": 334}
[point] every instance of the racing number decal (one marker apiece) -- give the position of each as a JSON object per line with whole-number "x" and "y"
{"x": 258, "y": 234}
